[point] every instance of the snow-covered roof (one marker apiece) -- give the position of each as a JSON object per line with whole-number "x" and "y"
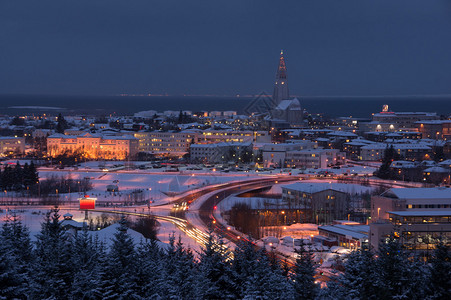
{"x": 433, "y": 122}
{"x": 382, "y": 146}
{"x": 342, "y": 133}
{"x": 346, "y": 230}
{"x": 293, "y": 104}
{"x": 436, "y": 170}
{"x": 422, "y": 193}
{"x": 323, "y": 186}
{"x": 357, "y": 142}
{"x": 71, "y": 223}
{"x": 403, "y": 164}
{"x": 446, "y": 163}
{"x": 419, "y": 213}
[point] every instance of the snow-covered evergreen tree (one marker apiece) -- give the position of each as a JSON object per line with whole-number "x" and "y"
{"x": 150, "y": 260}
{"x": 397, "y": 275}
{"x": 17, "y": 250}
{"x": 304, "y": 274}
{"x": 86, "y": 264}
{"x": 13, "y": 282}
{"x": 440, "y": 273}
{"x": 357, "y": 281}
{"x": 53, "y": 273}
{"x": 180, "y": 273}
{"x": 215, "y": 272}
{"x": 119, "y": 280}
{"x": 265, "y": 282}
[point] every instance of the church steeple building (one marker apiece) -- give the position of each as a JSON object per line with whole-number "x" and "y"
{"x": 281, "y": 84}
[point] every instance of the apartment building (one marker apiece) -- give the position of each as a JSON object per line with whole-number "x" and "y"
{"x": 9, "y": 145}
{"x": 166, "y": 143}
{"x": 313, "y": 158}
{"x": 93, "y": 146}
{"x": 318, "y": 203}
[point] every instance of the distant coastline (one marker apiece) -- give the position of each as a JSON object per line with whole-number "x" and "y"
{"x": 335, "y": 106}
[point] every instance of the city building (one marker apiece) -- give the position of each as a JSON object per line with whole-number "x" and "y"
{"x": 353, "y": 148}
{"x": 221, "y": 152}
{"x": 435, "y": 129}
{"x": 12, "y": 145}
{"x": 93, "y": 146}
{"x": 226, "y": 136}
{"x": 401, "y": 199}
{"x": 419, "y": 230}
{"x": 275, "y": 155}
{"x": 281, "y": 85}
{"x": 289, "y": 111}
{"x": 313, "y": 158}
{"x": 351, "y": 235}
{"x": 166, "y": 143}
{"x": 408, "y": 151}
{"x": 393, "y": 121}
{"x": 284, "y": 111}
{"x": 319, "y": 203}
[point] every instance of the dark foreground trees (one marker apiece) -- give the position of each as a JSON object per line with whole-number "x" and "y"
{"x": 392, "y": 273}
{"x": 60, "y": 265}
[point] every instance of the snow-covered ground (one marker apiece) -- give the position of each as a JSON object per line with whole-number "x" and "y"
{"x": 160, "y": 188}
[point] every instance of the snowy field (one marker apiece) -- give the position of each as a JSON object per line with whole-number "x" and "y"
{"x": 160, "y": 188}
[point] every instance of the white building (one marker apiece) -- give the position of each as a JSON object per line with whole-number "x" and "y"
{"x": 410, "y": 151}
{"x": 166, "y": 143}
{"x": 400, "y": 199}
{"x": 93, "y": 146}
{"x": 313, "y": 158}
{"x": 219, "y": 152}
{"x": 236, "y": 136}
{"x": 274, "y": 155}
{"x": 393, "y": 121}
{"x": 10, "y": 145}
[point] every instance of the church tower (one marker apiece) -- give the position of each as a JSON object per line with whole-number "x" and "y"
{"x": 281, "y": 85}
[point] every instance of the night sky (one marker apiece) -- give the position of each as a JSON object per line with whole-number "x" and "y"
{"x": 332, "y": 47}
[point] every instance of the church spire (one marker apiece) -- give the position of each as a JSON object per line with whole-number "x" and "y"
{"x": 281, "y": 84}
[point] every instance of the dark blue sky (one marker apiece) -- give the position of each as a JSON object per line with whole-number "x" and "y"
{"x": 333, "y": 47}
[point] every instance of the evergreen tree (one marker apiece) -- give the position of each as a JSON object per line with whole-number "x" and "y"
{"x": 53, "y": 274}
{"x": 15, "y": 258}
{"x": 7, "y": 178}
{"x": 216, "y": 274}
{"x": 304, "y": 274}
{"x": 357, "y": 282}
{"x": 266, "y": 283}
{"x": 243, "y": 265}
{"x": 12, "y": 283}
{"x": 120, "y": 269}
{"x": 398, "y": 276}
{"x": 179, "y": 272}
{"x": 61, "y": 124}
{"x": 30, "y": 175}
{"x": 150, "y": 260}
{"x": 440, "y": 273}
{"x": 18, "y": 177}
{"x": 17, "y": 236}
{"x": 87, "y": 281}
{"x": 390, "y": 155}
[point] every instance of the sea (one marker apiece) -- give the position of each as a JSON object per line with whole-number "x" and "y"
{"x": 359, "y": 107}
